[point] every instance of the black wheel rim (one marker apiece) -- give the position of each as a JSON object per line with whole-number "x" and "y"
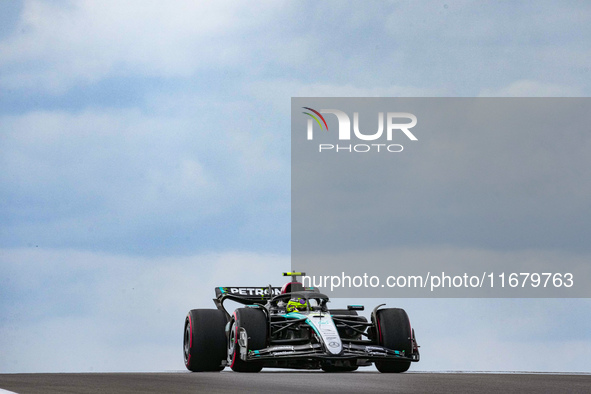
{"x": 231, "y": 343}
{"x": 187, "y": 342}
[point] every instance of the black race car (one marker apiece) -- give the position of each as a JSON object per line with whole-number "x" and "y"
{"x": 292, "y": 327}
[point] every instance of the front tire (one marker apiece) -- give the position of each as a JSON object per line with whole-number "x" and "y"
{"x": 254, "y": 321}
{"x": 204, "y": 340}
{"x": 394, "y": 332}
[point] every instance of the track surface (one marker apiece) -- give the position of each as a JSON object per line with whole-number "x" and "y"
{"x": 280, "y": 382}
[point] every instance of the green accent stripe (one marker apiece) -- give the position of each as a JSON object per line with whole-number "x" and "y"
{"x": 315, "y": 118}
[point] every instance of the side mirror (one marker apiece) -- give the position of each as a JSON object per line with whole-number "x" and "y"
{"x": 355, "y": 307}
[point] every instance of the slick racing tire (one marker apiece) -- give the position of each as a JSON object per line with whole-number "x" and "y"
{"x": 394, "y": 333}
{"x": 204, "y": 340}
{"x": 254, "y": 321}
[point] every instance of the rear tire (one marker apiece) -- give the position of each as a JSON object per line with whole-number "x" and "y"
{"x": 254, "y": 321}
{"x": 204, "y": 340}
{"x": 394, "y": 332}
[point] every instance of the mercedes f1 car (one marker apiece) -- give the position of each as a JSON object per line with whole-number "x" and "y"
{"x": 292, "y": 327}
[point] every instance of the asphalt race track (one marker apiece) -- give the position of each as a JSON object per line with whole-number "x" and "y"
{"x": 294, "y": 382}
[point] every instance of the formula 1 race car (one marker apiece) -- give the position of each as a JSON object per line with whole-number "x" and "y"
{"x": 292, "y": 327}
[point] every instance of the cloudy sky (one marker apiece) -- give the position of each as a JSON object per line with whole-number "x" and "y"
{"x": 145, "y": 159}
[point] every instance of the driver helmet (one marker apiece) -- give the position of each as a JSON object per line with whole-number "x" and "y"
{"x": 297, "y": 305}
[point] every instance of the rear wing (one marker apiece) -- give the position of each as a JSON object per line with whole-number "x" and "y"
{"x": 244, "y": 295}
{"x": 255, "y": 294}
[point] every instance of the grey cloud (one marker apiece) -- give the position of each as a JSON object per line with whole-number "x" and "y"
{"x": 80, "y": 311}
{"x": 459, "y": 49}
{"x": 529, "y": 88}
{"x": 110, "y": 177}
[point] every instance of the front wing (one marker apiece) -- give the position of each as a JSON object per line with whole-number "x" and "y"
{"x": 316, "y": 351}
